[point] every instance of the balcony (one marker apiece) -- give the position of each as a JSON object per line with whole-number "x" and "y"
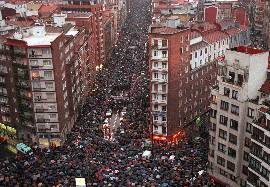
{"x": 41, "y": 110}
{"x": 42, "y": 120}
{"x": 162, "y": 69}
{"x": 39, "y": 99}
{"x": 39, "y": 88}
{"x": 158, "y": 101}
{"x": 231, "y": 82}
{"x": 38, "y": 77}
{"x": 156, "y": 46}
{"x": 23, "y": 84}
{"x": 261, "y": 122}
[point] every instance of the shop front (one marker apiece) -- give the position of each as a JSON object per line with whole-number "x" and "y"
{"x": 8, "y": 136}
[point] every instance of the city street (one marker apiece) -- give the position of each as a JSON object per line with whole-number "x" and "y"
{"x": 114, "y": 123}
{"x": 119, "y": 163}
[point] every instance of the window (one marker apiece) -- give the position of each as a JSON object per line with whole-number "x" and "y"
{"x": 156, "y": 75}
{"x": 222, "y": 134}
{"x": 201, "y": 53}
{"x": 235, "y": 94}
{"x": 164, "y": 97}
{"x": 155, "y": 43}
{"x": 164, "y": 118}
{"x": 155, "y": 117}
{"x": 164, "y": 65}
{"x": 248, "y": 128}
{"x": 235, "y": 109}
{"x": 164, "y": 130}
{"x": 181, "y": 50}
{"x": 245, "y": 170}
{"x": 155, "y": 107}
{"x": 224, "y": 105}
{"x": 156, "y": 87}
{"x": 52, "y": 115}
{"x": 221, "y": 161}
{"x": 155, "y": 53}
{"x": 155, "y": 127}
{"x": 50, "y": 96}
{"x": 164, "y": 43}
{"x": 246, "y": 156}
{"x": 265, "y": 173}
{"x": 196, "y": 54}
{"x": 223, "y": 120}
{"x": 250, "y": 112}
{"x": 232, "y": 139}
{"x": 164, "y": 54}
{"x": 48, "y": 74}
{"x": 164, "y": 108}
{"x": 213, "y": 113}
{"x": 213, "y": 127}
{"x": 231, "y": 152}
{"x": 164, "y": 76}
{"x": 205, "y": 51}
{"x": 155, "y": 64}
{"x": 222, "y": 172}
{"x": 164, "y": 88}
{"x": 221, "y": 147}
{"x": 49, "y": 85}
{"x": 247, "y": 142}
{"x": 47, "y": 62}
{"x": 230, "y": 166}
{"x": 227, "y": 91}
{"x": 234, "y": 124}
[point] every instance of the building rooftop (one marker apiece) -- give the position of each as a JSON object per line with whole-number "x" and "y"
{"x": 166, "y": 30}
{"x": 198, "y": 45}
{"x": 248, "y": 50}
{"x": 45, "y": 40}
{"x": 215, "y": 36}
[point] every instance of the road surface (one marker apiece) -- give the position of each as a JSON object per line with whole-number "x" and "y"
{"x": 114, "y": 123}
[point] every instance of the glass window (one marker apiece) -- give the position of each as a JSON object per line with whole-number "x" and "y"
{"x": 222, "y": 134}
{"x": 250, "y": 112}
{"x": 232, "y": 139}
{"x": 221, "y": 161}
{"x": 235, "y": 109}
{"x": 231, "y": 152}
{"x": 223, "y": 120}
{"x": 234, "y": 124}
{"x": 230, "y": 166}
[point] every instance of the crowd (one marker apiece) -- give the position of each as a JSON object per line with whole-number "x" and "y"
{"x": 120, "y": 162}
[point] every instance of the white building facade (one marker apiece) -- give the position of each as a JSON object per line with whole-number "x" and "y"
{"x": 242, "y": 73}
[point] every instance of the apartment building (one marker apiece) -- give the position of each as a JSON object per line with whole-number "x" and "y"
{"x": 45, "y": 82}
{"x": 233, "y": 109}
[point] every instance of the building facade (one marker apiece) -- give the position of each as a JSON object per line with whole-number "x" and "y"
{"x": 46, "y": 82}
{"x": 242, "y": 72}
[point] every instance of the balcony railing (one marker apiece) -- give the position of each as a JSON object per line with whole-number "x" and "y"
{"x": 40, "y": 110}
{"x": 261, "y": 122}
{"x": 43, "y": 120}
{"x": 232, "y": 82}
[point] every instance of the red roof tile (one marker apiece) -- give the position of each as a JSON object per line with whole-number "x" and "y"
{"x": 215, "y": 36}
{"x": 248, "y": 50}
{"x": 47, "y": 9}
{"x": 265, "y": 87}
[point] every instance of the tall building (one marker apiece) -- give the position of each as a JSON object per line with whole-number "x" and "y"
{"x": 44, "y": 82}
{"x": 183, "y": 67}
{"x": 167, "y": 64}
{"x": 242, "y": 73}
